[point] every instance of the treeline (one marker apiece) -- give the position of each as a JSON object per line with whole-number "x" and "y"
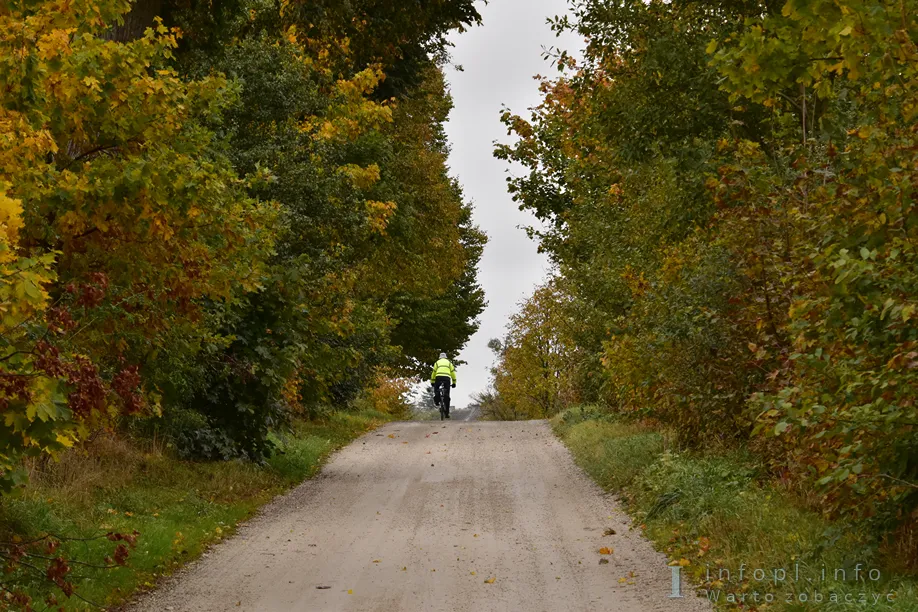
{"x": 728, "y": 191}
{"x": 218, "y": 215}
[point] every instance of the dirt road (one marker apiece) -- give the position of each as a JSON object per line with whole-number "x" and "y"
{"x": 461, "y": 516}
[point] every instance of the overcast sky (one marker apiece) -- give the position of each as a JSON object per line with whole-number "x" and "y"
{"x": 499, "y": 59}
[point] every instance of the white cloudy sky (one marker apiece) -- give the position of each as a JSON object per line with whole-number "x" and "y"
{"x": 499, "y": 59}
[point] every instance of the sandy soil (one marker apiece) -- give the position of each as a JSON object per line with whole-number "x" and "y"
{"x": 422, "y": 516}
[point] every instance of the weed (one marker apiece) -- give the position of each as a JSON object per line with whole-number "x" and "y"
{"x": 722, "y": 519}
{"x": 178, "y": 507}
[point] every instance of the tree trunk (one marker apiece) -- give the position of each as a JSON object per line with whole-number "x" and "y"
{"x": 136, "y": 22}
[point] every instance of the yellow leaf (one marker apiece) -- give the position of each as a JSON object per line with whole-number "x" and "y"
{"x": 605, "y": 550}
{"x": 350, "y": 591}
{"x": 491, "y": 580}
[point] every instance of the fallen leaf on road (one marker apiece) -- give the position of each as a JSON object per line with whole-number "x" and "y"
{"x": 404, "y": 443}
{"x": 603, "y": 561}
{"x": 392, "y": 435}
{"x": 323, "y": 587}
{"x": 375, "y": 560}
{"x": 405, "y": 569}
{"x": 491, "y": 580}
{"x": 622, "y": 580}
{"x": 350, "y": 591}
{"x": 608, "y": 532}
{"x": 605, "y": 550}
{"x": 474, "y": 573}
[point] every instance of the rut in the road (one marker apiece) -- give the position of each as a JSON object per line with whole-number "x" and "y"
{"x": 422, "y": 516}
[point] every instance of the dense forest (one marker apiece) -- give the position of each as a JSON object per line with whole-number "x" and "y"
{"x": 222, "y": 214}
{"x": 219, "y": 217}
{"x": 727, "y": 190}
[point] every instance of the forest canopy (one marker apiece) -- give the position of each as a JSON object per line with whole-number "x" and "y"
{"x": 219, "y": 215}
{"x": 727, "y": 191}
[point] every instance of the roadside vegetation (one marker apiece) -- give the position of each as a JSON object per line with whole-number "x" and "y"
{"x": 214, "y": 236}
{"x": 712, "y": 513}
{"x": 122, "y": 484}
{"x": 727, "y": 191}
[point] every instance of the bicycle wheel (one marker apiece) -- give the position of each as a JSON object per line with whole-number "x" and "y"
{"x": 442, "y": 414}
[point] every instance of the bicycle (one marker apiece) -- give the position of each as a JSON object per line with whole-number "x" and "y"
{"x": 444, "y": 402}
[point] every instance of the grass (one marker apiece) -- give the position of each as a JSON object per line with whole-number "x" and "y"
{"x": 178, "y": 507}
{"x": 715, "y": 514}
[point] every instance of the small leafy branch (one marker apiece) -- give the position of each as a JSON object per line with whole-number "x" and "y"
{"x": 41, "y": 561}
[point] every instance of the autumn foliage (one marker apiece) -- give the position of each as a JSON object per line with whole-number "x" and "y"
{"x": 217, "y": 217}
{"x": 728, "y": 191}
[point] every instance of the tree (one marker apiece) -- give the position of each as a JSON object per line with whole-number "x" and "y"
{"x": 534, "y": 375}
{"x": 119, "y": 188}
{"x": 726, "y": 190}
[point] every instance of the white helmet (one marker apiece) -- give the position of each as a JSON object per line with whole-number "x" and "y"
{"x": 442, "y": 355}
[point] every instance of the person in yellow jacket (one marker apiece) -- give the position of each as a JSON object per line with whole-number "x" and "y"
{"x": 443, "y": 374}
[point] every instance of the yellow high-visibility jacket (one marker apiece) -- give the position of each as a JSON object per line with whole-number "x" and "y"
{"x": 443, "y": 367}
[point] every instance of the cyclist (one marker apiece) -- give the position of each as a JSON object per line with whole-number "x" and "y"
{"x": 443, "y": 374}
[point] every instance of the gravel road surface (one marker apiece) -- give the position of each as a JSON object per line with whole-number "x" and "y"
{"x": 430, "y": 516}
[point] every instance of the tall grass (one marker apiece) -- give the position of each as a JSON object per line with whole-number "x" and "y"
{"x": 178, "y": 507}
{"x": 716, "y": 514}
